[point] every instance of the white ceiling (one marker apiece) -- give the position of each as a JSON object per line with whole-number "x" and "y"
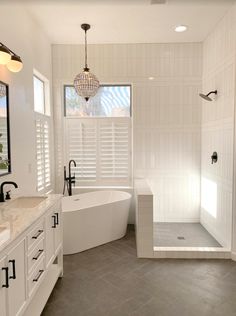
{"x": 127, "y": 21}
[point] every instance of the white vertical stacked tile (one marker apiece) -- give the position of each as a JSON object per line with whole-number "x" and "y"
{"x": 166, "y": 115}
{"x": 219, "y": 60}
{"x": 144, "y": 219}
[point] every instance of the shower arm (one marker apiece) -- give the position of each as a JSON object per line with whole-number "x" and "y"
{"x": 215, "y": 92}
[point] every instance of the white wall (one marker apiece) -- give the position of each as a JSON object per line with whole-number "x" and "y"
{"x": 166, "y": 115}
{"x": 21, "y": 34}
{"x": 219, "y": 57}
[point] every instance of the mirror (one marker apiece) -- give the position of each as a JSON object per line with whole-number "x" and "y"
{"x": 5, "y": 161}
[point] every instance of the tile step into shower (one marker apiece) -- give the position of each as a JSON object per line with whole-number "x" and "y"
{"x": 186, "y": 240}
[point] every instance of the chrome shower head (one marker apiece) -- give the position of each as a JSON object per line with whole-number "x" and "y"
{"x": 206, "y": 96}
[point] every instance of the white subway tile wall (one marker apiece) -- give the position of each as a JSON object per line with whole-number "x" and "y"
{"x": 166, "y": 115}
{"x": 219, "y": 56}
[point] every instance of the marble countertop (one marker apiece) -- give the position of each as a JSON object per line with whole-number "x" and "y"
{"x": 14, "y": 221}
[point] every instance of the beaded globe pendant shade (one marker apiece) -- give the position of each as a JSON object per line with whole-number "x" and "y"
{"x": 86, "y": 84}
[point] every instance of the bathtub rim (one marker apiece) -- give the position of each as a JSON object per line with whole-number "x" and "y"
{"x": 129, "y": 197}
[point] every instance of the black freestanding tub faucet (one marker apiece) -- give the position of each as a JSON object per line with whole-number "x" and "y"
{"x": 68, "y": 181}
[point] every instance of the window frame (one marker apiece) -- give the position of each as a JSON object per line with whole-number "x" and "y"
{"x": 101, "y": 85}
{"x": 46, "y": 93}
{"x": 44, "y": 117}
{"x": 99, "y": 183}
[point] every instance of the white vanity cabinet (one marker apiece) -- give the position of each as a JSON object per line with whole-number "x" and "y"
{"x": 53, "y": 233}
{"x": 12, "y": 280}
{"x": 16, "y": 293}
{"x": 32, "y": 262}
{"x": 3, "y": 285}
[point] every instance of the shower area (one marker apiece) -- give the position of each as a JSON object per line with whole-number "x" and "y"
{"x": 184, "y": 146}
{"x": 189, "y": 160}
{"x": 195, "y": 232}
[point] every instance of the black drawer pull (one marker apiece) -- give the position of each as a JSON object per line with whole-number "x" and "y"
{"x": 38, "y": 254}
{"x": 13, "y": 276}
{"x": 40, "y": 231}
{"x": 38, "y": 276}
{"x": 57, "y": 218}
{"x": 54, "y": 221}
{"x": 7, "y": 277}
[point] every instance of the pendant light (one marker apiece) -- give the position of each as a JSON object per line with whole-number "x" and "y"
{"x": 86, "y": 84}
{"x": 5, "y": 55}
{"x": 15, "y": 64}
{"x": 10, "y": 59}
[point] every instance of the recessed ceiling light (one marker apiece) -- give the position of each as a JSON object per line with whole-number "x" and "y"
{"x": 151, "y": 78}
{"x": 180, "y": 28}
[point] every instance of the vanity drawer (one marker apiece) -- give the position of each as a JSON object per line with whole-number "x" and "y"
{"x": 36, "y": 276}
{"x": 35, "y": 234}
{"x": 35, "y": 255}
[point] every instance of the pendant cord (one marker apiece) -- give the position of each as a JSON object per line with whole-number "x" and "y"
{"x": 86, "y": 53}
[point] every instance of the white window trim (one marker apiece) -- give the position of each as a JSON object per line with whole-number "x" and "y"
{"x": 45, "y": 118}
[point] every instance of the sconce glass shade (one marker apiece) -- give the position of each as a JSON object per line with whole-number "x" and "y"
{"x": 86, "y": 84}
{"x": 5, "y": 55}
{"x": 15, "y": 64}
{"x": 2, "y": 90}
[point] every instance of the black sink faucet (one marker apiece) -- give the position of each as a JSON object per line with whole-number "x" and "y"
{"x": 2, "y": 197}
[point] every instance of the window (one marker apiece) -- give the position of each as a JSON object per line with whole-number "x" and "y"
{"x": 98, "y": 138}
{"x": 110, "y": 101}
{"x": 39, "y": 95}
{"x": 43, "y": 123}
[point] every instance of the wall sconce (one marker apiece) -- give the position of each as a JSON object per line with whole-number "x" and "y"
{"x": 10, "y": 59}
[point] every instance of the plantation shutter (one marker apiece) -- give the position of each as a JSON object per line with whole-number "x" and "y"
{"x": 114, "y": 150}
{"x": 101, "y": 149}
{"x": 81, "y": 146}
{"x": 43, "y": 154}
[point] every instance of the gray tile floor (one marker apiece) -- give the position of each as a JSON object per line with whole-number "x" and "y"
{"x": 182, "y": 235}
{"x": 110, "y": 281}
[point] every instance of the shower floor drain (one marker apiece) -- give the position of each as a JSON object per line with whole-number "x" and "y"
{"x": 181, "y": 238}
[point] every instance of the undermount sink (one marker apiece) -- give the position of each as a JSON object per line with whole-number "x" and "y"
{"x": 27, "y": 202}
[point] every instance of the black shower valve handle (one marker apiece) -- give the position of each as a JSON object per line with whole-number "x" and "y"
{"x": 214, "y": 157}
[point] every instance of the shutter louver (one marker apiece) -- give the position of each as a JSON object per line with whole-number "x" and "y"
{"x": 43, "y": 154}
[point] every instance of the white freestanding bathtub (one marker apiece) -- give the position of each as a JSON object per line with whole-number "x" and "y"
{"x": 94, "y": 218}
